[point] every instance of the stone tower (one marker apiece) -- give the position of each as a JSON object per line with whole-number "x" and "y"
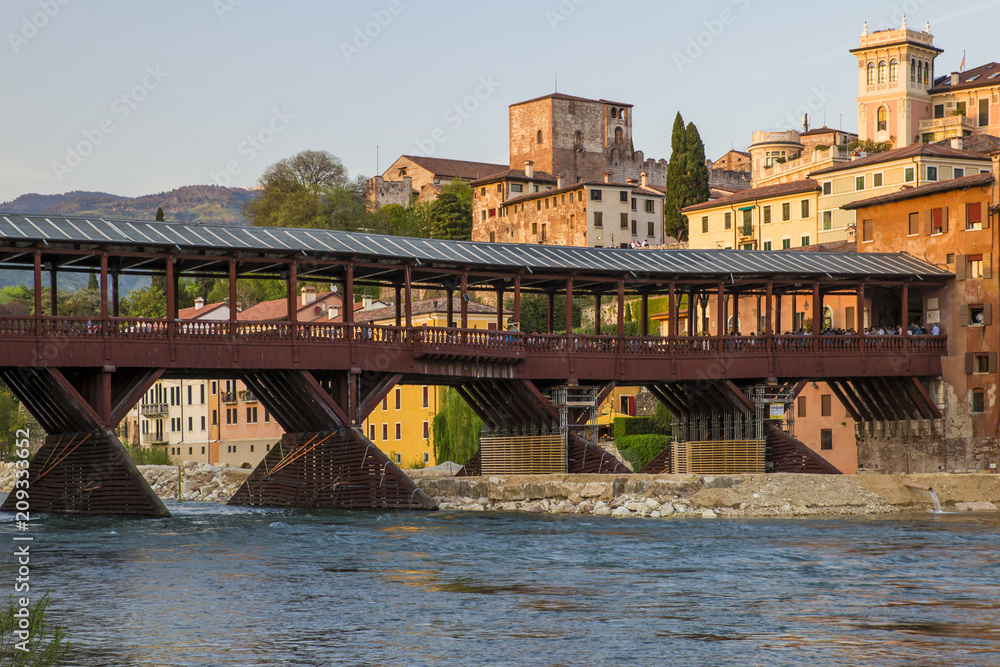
{"x": 895, "y": 71}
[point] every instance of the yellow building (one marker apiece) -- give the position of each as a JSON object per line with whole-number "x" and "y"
{"x": 401, "y": 425}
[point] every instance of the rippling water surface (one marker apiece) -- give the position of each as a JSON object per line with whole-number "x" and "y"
{"x": 231, "y": 586}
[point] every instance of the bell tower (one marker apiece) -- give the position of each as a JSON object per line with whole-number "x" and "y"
{"x": 895, "y": 71}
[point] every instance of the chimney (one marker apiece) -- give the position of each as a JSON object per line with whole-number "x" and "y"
{"x": 957, "y": 143}
{"x": 631, "y": 181}
{"x": 529, "y": 169}
{"x": 199, "y": 303}
{"x": 559, "y": 181}
{"x": 239, "y": 306}
{"x": 308, "y": 294}
{"x": 333, "y": 312}
{"x": 642, "y": 178}
{"x": 366, "y": 300}
{"x": 607, "y": 176}
{"x": 955, "y": 76}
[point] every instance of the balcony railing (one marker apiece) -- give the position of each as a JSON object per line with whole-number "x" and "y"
{"x": 153, "y": 409}
{"x": 947, "y": 122}
{"x": 229, "y": 397}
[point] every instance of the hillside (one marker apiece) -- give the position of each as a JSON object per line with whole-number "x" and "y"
{"x": 207, "y": 204}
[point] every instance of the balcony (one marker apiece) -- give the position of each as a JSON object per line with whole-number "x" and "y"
{"x": 153, "y": 409}
{"x": 229, "y": 397}
{"x": 248, "y": 396}
{"x": 746, "y": 231}
{"x": 957, "y": 124}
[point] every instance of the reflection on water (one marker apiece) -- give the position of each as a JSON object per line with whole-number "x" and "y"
{"x": 216, "y": 585}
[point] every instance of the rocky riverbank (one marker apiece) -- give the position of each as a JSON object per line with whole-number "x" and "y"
{"x": 652, "y": 496}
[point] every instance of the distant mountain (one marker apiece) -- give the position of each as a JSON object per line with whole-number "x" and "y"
{"x": 192, "y": 203}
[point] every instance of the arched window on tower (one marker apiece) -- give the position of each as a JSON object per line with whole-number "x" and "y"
{"x": 882, "y": 118}
{"x": 614, "y": 112}
{"x": 578, "y": 138}
{"x": 621, "y": 114}
{"x": 927, "y": 73}
{"x": 920, "y": 72}
{"x": 538, "y": 138}
{"x": 871, "y": 74}
{"x": 619, "y": 135}
{"x": 913, "y": 69}
{"x": 881, "y": 71}
{"x": 893, "y": 70}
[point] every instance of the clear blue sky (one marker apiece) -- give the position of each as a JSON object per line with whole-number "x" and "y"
{"x": 164, "y": 94}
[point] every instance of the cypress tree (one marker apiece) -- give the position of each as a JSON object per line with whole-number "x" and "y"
{"x": 159, "y": 214}
{"x": 697, "y": 171}
{"x": 673, "y": 219}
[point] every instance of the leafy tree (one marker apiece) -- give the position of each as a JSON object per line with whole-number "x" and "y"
{"x": 250, "y": 292}
{"x": 687, "y": 177}
{"x": 11, "y": 419}
{"x": 404, "y": 221}
{"x": 662, "y": 419}
{"x": 159, "y": 214}
{"x": 456, "y": 430}
{"x": 149, "y": 301}
{"x": 534, "y": 313}
{"x": 92, "y": 283}
{"x": 451, "y": 212}
{"x": 870, "y": 146}
{"x": 45, "y": 646}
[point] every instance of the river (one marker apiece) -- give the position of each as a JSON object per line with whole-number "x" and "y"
{"x": 215, "y": 585}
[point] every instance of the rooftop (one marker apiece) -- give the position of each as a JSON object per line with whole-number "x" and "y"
{"x": 752, "y": 194}
{"x": 984, "y": 75}
{"x": 571, "y": 98}
{"x": 976, "y": 181}
{"x": 515, "y": 175}
{"x": 424, "y": 307}
{"x": 464, "y": 169}
{"x": 915, "y": 150}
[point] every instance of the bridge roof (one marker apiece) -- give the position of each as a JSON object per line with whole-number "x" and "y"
{"x": 322, "y": 244}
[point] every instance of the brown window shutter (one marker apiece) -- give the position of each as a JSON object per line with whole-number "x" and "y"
{"x": 963, "y": 316}
{"x": 984, "y": 214}
{"x": 960, "y": 267}
{"x": 987, "y": 313}
{"x": 993, "y": 362}
{"x": 987, "y": 266}
{"x": 930, "y": 221}
{"x": 970, "y": 361}
{"x": 944, "y": 220}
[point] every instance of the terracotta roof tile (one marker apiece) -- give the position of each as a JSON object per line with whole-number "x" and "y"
{"x": 464, "y": 169}
{"x": 561, "y": 96}
{"x": 751, "y": 194}
{"x": 978, "y": 180}
{"x": 424, "y": 307}
{"x": 277, "y": 309}
{"x": 194, "y": 313}
{"x": 971, "y": 78}
{"x": 516, "y": 175}
{"x": 915, "y": 150}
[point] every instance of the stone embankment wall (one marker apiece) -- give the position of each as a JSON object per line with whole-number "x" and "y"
{"x": 637, "y": 495}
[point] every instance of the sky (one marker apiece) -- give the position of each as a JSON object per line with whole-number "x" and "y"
{"x": 144, "y": 96}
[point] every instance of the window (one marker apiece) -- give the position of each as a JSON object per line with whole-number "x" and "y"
{"x": 650, "y": 229}
{"x": 493, "y": 213}
{"x": 870, "y": 79}
{"x": 939, "y": 111}
{"x": 767, "y": 215}
{"x": 882, "y": 71}
{"x": 202, "y": 388}
{"x": 893, "y": 70}
{"x": 974, "y": 266}
{"x": 984, "y": 112}
{"x": 786, "y": 243}
{"x": 516, "y": 187}
{"x": 546, "y": 200}
{"x": 877, "y": 180}
{"x": 805, "y": 208}
{"x": 974, "y": 216}
{"x": 650, "y": 206}
{"x": 908, "y": 175}
{"x": 399, "y": 431}
{"x": 499, "y": 187}
{"x": 482, "y": 191}
{"x": 827, "y": 220}
{"x": 493, "y": 237}
{"x": 802, "y": 407}
{"x": 786, "y": 212}
{"x": 579, "y": 195}
{"x": 932, "y": 173}
{"x": 425, "y": 395}
{"x": 578, "y": 138}
{"x": 624, "y": 220}
{"x": 825, "y": 405}
{"x": 267, "y": 416}
{"x": 805, "y": 241}
{"x": 747, "y": 217}
{"x": 595, "y": 195}
{"x": 704, "y": 224}
{"x": 980, "y": 363}
{"x": 399, "y": 398}
{"x": 849, "y": 317}
{"x": 252, "y": 415}
{"x": 619, "y": 135}
{"x": 598, "y": 219}
{"x": 883, "y": 118}
{"x": 960, "y": 108}
{"x": 826, "y": 438}
{"x": 978, "y": 401}
{"x": 544, "y": 235}
{"x": 827, "y": 187}
{"x": 867, "y": 231}
{"x": 215, "y": 417}
{"x": 958, "y": 172}
{"x": 427, "y": 457}
{"x": 190, "y": 423}
{"x": 385, "y": 432}
{"x": 914, "y": 224}
{"x": 398, "y": 458}
{"x": 950, "y": 258}
{"x": 385, "y": 403}
{"x": 859, "y": 183}
{"x": 562, "y": 199}
{"x": 371, "y": 432}
{"x": 426, "y": 430}
{"x": 729, "y": 219}
{"x": 623, "y": 197}
{"x": 538, "y": 137}
{"x": 634, "y": 229}
{"x": 767, "y": 245}
{"x": 938, "y": 218}
{"x": 534, "y": 228}
{"x": 190, "y": 395}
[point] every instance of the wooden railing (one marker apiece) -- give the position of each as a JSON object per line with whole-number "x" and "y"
{"x": 467, "y": 340}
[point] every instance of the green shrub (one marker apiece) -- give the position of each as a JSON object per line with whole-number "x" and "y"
{"x": 641, "y": 449}
{"x": 149, "y": 456}
{"x": 626, "y": 426}
{"x": 44, "y": 647}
